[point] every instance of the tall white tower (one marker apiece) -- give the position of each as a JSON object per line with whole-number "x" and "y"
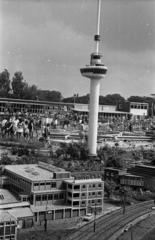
{"x": 95, "y": 71}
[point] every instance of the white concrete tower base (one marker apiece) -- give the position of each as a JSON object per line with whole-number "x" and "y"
{"x": 93, "y": 115}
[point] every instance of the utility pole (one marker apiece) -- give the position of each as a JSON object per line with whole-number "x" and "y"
{"x": 131, "y": 233}
{"x": 10, "y": 230}
{"x": 46, "y": 219}
{"x": 95, "y": 219}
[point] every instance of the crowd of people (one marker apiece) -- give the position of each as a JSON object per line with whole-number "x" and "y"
{"x": 17, "y": 126}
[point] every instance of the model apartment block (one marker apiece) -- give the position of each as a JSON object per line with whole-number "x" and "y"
{"x": 52, "y": 192}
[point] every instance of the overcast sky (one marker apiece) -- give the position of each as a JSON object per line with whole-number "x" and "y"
{"x": 49, "y": 40}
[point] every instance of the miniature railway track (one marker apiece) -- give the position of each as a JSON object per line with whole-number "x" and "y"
{"x": 108, "y": 225}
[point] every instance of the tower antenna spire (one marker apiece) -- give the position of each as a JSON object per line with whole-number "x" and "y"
{"x": 97, "y": 36}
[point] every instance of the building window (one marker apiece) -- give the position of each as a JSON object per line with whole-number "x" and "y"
{"x": 83, "y": 194}
{"x": 69, "y": 202}
{"x": 38, "y": 198}
{"x": 41, "y": 213}
{"x": 36, "y": 184}
{"x": 53, "y": 184}
{"x": 107, "y": 173}
{"x": 99, "y": 200}
{"x": 69, "y": 194}
{"x": 120, "y": 106}
{"x": 93, "y": 185}
{"x": 93, "y": 193}
{"x": 69, "y": 186}
{"x": 99, "y": 185}
{"x": 44, "y": 197}
{"x": 61, "y": 195}
{"x": 99, "y": 193}
{"x": 50, "y": 196}
{"x": 83, "y": 202}
{"x": 48, "y": 183}
{"x": 76, "y": 187}
{"x": 55, "y": 196}
{"x": 83, "y": 186}
{"x": 89, "y": 185}
{"x": 42, "y": 184}
{"x": 76, "y": 195}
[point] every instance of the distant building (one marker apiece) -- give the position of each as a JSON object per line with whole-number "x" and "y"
{"x": 8, "y": 226}
{"x": 137, "y": 110}
{"x": 124, "y": 178}
{"x": 52, "y": 192}
{"x": 148, "y": 174}
{"x": 104, "y": 110}
{"x": 20, "y": 210}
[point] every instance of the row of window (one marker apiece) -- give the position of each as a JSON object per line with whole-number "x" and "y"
{"x": 52, "y": 184}
{"x": 8, "y": 237}
{"x": 16, "y": 178}
{"x": 93, "y": 70}
{"x": 77, "y": 195}
{"x": 84, "y": 202}
{"x": 45, "y": 197}
{"x": 139, "y": 106}
{"x": 77, "y": 187}
{"x": 132, "y": 182}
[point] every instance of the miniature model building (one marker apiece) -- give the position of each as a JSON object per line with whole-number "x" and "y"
{"x": 53, "y": 193}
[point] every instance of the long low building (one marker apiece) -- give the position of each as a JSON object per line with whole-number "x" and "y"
{"x": 104, "y": 110}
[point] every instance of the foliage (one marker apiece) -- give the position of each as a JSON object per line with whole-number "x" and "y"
{"x": 125, "y": 194}
{"x": 144, "y": 196}
{"x": 46, "y": 95}
{"x": 111, "y": 157}
{"x": 5, "y": 159}
{"x": 26, "y": 160}
{"x": 18, "y": 85}
{"x": 109, "y": 187}
{"x": 73, "y": 150}
{"x": 4, "y": 83}
{"x": 110, "y": 99}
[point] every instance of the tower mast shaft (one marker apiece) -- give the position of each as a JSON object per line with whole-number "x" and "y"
{"x": 95, "y": 71}
{"x": 98, "y": 24}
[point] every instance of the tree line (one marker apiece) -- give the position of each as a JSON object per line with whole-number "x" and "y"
{"x": 18, "y": 88}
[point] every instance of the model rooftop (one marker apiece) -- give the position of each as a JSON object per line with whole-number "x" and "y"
{"x": 38, "y": 172}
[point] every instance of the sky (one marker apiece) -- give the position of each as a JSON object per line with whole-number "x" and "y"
{"x": 49, "y": 40}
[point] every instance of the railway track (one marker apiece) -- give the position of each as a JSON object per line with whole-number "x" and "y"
{"x": 108, "y": 225}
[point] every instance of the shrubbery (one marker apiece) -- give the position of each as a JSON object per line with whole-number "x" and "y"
{"x": 73, "y": 150}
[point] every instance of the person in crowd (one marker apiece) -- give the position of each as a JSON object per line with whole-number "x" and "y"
{"x": 3, "y": 127}
{"x": 15, "y": 122}
{"x": 20, "y": 128}
{"x": 9, "y": 129}
{"x": 55, "y": 123}
{"x": 81, "y": 131}
{"x": 31, "y": 128}
{"x": 26, "y": 129}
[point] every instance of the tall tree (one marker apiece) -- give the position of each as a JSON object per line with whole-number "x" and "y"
{"x": 4, "y": 83}
{"x": 18, "y": 85}
{"x": 30, "y": 92}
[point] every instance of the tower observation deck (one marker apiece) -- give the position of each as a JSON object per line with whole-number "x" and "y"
{"x": 95, "y": 71}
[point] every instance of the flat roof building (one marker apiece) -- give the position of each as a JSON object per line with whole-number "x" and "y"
{"x": 52, "y": 192}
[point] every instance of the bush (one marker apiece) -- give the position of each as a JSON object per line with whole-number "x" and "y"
{"x": 5, "y": 159}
